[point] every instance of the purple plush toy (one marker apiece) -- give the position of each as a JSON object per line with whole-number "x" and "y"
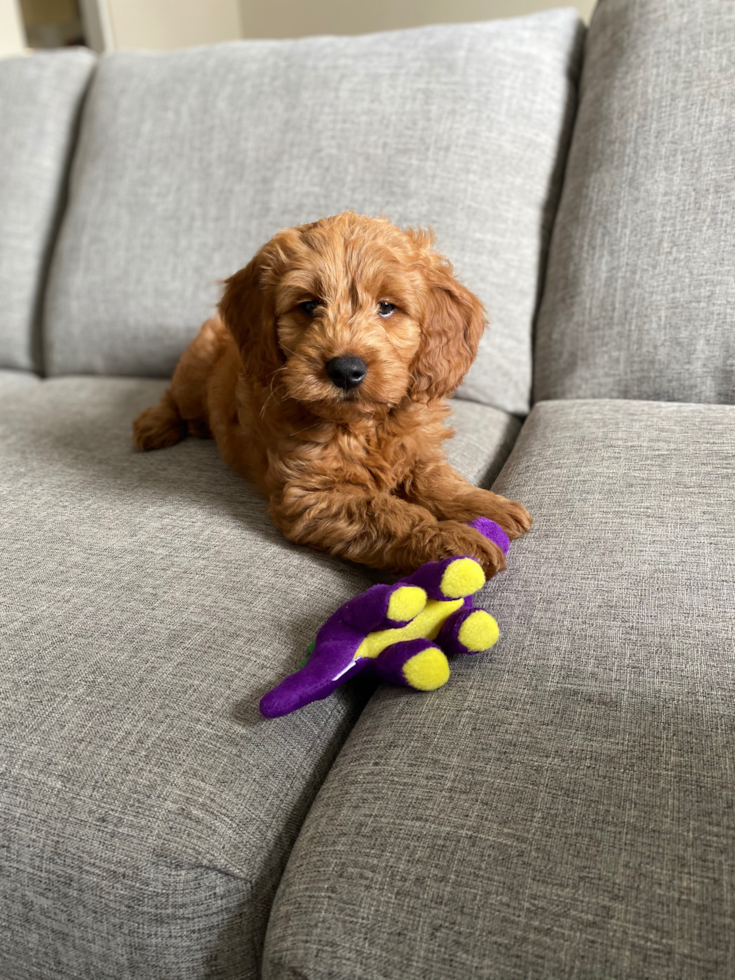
{"x": 400, "y": 633}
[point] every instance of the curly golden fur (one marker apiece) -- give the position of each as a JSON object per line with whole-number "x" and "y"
{"x": 355, "y": 469}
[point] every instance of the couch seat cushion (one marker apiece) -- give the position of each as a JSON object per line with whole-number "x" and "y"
{"x": 146, "y": 810}
{"x": 565, "y": 806}
{"x": 189, "y": 161}
{"x": 10, "y": 380}
{"x": 640, "y": 293}
{"x": 39, "y": 104}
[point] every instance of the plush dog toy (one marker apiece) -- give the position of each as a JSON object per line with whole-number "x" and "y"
{"x": 400, "y": 633}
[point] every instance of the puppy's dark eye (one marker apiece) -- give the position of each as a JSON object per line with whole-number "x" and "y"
{"x": 310, "y": 306}
{"x": 385, "y": 309}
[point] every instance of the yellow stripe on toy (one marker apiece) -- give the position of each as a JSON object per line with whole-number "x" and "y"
{"x": 425, "y": 626}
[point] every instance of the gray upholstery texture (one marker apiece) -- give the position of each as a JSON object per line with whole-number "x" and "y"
{"x": 146, "y": 810}
{"x": 565, "y": 806}
{"x": 10, "y": 380}
{"x": 640, "y": 292}
{"x": 189, "y": 161}
{"x": 483, "y": 439}
{"x": 39, "y": 105}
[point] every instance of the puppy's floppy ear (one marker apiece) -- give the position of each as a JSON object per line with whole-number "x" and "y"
{"x": 248, "y": 311}
{"x": 453, "y": 323}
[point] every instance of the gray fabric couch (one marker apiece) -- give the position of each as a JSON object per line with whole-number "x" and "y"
{"x": 565, "y": 806}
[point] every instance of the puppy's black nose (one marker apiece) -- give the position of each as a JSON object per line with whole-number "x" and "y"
{"x": 346, "y": 372}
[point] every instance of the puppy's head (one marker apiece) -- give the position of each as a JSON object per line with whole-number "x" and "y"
{"x": 348, "y": 315}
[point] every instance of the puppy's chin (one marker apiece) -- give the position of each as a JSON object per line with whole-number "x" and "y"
{"x": 349, "y": 407}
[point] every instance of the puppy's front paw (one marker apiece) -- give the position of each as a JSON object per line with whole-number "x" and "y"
{"x": 453, "y": 538}
{"x": 511, "y": 516}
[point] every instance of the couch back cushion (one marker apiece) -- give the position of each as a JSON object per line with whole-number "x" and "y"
{"x": 189, "y": 161}
{"x": 639, "y": 299}
{"x": 39, "y": 106}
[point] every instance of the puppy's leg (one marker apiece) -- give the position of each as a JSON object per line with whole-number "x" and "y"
{"x": 439, "y": 487}
{"x": 183, "y": 407}
{"x": 159, "y": 426}
{"x": 377, "y": 529}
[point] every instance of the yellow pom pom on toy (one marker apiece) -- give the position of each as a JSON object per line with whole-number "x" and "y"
{"x": 406, "y": 603}
{"x": 479, "y": 631}
{"x": 428, "y": 670}
{"x": 462, "y": 578}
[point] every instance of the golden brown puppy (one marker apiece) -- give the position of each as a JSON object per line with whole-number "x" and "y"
{"x": 323, "y": 380}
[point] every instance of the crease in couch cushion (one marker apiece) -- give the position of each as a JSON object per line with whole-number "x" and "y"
{"x": 189, "y": 161}
{"x": 146, "y": 811}
{"x": 40, "y": 98}
{"x": 639, "y": 300}
{"x": 565, "y": 806}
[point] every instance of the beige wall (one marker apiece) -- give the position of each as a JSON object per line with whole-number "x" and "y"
{"x": 161, "y": 24}
{"x": 12, "y": 35}
{"x": 295, "y": 18}
{"x": 172, "y": 23}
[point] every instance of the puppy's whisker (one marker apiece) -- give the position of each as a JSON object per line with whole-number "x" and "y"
{"x": 274, "y": 373}
{"x": 273, "y": 394}
{"x": 318, "y": 422}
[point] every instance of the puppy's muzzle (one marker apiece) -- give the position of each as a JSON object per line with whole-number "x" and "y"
{"x": 346, "y": 372}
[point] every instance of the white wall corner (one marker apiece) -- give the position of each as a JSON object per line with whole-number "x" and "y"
{"x": 97, "y": 25}
{"x": 12, "y": 34}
